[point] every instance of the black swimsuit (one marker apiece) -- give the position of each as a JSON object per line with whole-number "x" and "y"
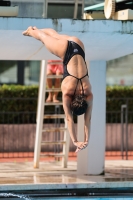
{"x": 73, "y": 49}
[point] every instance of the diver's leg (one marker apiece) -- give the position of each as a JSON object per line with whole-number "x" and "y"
{"x": 55, "y": 46}
{"x": 53, "y": 33}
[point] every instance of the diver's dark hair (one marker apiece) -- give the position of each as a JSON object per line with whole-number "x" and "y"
{"x": 79, "y": 105}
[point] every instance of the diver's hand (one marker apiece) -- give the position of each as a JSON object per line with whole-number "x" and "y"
{"x": 81, "y": 146}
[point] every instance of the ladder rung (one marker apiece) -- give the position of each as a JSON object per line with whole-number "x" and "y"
{"x": 54, "y": 154}
{"x": 54, "y": 116}
{"x": 53, "y": 90}
{"x": 52, "y": 142}
{"x": 53, "y": 129}
{"x": 53, "y": 103}
{"x": 54, "y": 76}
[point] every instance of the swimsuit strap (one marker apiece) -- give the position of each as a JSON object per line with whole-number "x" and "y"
{"x": 79, "y": 80}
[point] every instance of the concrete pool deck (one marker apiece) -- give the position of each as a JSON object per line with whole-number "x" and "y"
{"x": 22, "y": 176}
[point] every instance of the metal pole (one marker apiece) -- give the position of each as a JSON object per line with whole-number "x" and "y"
{"x": 124, "y": 107}
{"x": 83, "y": 5}
{"x": 20, "y": 72}
{"x": 126, "y": 121}
{"x": 122, "y": 130}
{"x": 45, "y": 9}
{"x": 75, "y": 9}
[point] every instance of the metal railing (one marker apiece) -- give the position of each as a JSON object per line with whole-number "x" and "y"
{"x": 18, "y": 128}
{"x": 124, "y": 114}
{"x": 119, "y": 129}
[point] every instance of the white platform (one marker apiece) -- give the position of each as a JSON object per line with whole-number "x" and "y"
{"x": 50, "y": 176}
{"x": 103, "y": 39}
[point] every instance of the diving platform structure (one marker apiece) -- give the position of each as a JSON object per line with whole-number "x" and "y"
{"x": 110, "y": 9}
{"x": 103, "y": 39}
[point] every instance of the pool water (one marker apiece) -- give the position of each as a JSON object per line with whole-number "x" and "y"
{"x": 72, "y": 198}
{"x": 88, "y": 198}
{"x": 11, "y": 196}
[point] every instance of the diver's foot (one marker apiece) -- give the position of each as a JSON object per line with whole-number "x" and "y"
{"x": 28, "y": 31}
{"x": 34, "y": 28}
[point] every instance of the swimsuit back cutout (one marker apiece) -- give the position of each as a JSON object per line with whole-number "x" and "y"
{"x": 73, "y": 49}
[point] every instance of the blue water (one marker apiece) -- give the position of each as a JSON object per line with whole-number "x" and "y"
{"x": 72, "y": 198}
{"x": 11, "y": 196}
{"x": 86, "y": 198}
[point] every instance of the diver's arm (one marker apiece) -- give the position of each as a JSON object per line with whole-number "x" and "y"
{"x": 87, "y": 118}
{"x": 69, "y": 117}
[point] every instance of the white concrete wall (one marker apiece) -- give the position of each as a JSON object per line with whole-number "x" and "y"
{"x": 91, "y": 160}
{"x": 103, "y": 39}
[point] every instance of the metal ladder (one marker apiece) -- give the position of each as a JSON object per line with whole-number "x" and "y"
{"x": 41, "y": 117}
